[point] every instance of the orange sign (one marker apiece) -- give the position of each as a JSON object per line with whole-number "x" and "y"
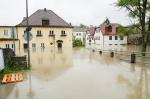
{"x": 12, "y": 78}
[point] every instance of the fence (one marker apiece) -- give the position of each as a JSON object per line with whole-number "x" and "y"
{"x": 133, "y": 57}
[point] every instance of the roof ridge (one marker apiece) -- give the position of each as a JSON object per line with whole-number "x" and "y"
{"x": 28, "y": 17}
{"x": 59, "y": 17}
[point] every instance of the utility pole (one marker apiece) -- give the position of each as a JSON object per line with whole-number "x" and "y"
{"x": 14, "y": 37}
{"x": 27, "y": 30}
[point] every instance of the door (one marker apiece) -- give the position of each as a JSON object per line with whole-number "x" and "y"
{"x": 59, "y": 45}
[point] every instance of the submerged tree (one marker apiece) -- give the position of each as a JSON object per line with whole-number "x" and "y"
{"x": 138, "y": 9}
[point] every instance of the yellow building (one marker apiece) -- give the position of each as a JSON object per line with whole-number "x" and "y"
{"x": 8, "y": 37}
{"x": 48, "y": 30}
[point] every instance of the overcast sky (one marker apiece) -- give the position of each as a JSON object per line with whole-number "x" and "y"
{"x": 90, "y": 12}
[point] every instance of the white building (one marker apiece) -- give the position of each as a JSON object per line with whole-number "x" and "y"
{"x": 105, "y": 37}
{"x": 90, "y": 36}
{"x": 79, "y": 33}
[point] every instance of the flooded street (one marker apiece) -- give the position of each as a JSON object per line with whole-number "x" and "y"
{"x": 79, "y": 73}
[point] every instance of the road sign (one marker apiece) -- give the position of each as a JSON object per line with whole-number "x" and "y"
{"x": 26, "y": 36}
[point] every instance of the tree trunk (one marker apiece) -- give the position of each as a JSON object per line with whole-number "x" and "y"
{"x": 144, "y": 37}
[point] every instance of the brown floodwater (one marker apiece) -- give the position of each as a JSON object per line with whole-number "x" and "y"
{"x": 79, "y": 73}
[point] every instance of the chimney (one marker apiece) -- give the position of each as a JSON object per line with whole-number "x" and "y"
{"x": 45, "y": 9}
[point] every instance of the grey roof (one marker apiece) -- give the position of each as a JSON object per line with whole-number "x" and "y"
{"x": 36, "y": 19}
{"x": 78, "y": 29}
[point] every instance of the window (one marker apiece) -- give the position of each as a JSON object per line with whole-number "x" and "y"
{"x": 39, "y": 33}
{"x": 116, "y": 37}
{"x": 45, "y": 22}
{"x": 51, "y": 32}
{"x": 12, "y": 46}
{"x": 63, "y": 33}
{"x": 33, "y": 45}
{"x": 24, "y": 32}
{"x": 80, "y": 34}
{"x": 108, "y": 28}
{"x": 25, "y": 46}
{"x": 7, "y": 45}
{"x": 121, "y": 37}
{"x": 110, "y": 37}
{"x": 5, "y": 32}
{"x": 42, "y": 45}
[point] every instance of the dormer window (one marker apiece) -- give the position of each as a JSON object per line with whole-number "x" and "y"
{"x": 45, "y": 22}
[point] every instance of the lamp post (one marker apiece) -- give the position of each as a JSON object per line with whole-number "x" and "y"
{"x": 27, "y": 30}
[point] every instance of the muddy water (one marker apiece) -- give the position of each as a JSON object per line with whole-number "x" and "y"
{"x": 79, "y": 74}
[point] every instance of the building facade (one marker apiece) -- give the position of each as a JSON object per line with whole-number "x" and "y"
{"x": 48, "y": 30}
{"x": 90, "y": 35}
{"x": 104, "y": 36}
{"x": 79, "y": 34}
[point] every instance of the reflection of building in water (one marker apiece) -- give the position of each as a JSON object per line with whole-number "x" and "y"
{"x": 50, "y": 62}
{"x": 48, "y": 30}
{"x": 138, "y": 83}
{"x": 6, "y": 90}
{"x": 107, "y": 47}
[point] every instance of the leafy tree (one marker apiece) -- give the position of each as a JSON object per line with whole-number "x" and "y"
{"x": 83, "y": 26}
{"x": 138, "y": 9}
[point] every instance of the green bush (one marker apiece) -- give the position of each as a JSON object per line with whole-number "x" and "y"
{"x": 77, "y": 43}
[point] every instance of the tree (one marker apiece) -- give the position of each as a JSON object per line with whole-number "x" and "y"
{"x": 83, "y": 26}
{"x": 126, "y": 31}
{"x": 138, "y": 9}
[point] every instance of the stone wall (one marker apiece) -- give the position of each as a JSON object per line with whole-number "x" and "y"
{"x": 10, "y": 59}
{"x": 8, "y": 54}
{"x": 20, "y": 61}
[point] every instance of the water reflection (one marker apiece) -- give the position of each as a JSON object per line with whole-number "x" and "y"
{"x": 79, "y": 74}
{"x": 138, "y": 87}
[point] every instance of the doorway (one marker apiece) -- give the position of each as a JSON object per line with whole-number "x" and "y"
{"x": 59, "y": 43}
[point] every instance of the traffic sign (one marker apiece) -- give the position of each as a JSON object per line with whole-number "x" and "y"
{"x": 25, "y": 36}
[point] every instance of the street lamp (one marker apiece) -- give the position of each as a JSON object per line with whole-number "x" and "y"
{"x": 27, "y": 30}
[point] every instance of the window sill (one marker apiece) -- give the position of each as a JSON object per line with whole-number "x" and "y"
{"x": 63, "y": 35}
{"x": 39, "y": 35}
{"x": 51, "y": 35}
